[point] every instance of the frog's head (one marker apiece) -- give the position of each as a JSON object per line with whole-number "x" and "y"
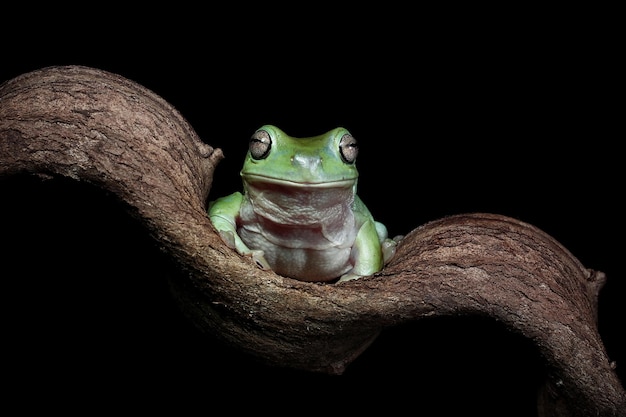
{"x": 324, "y": 161}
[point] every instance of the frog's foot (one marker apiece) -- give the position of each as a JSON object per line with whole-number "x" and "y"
{"x": 258, "y": 256}
{"x": 349, "y": 276}
{"x": 388, "y": 247}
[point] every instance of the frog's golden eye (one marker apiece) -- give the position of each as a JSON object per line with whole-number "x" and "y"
{"x": 260, "y": 144}
{"x": 348, "y": 148}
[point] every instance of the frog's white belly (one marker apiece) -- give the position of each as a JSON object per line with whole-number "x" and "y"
{"x": 310, "y": 244}
{"x": 305, "y": 264}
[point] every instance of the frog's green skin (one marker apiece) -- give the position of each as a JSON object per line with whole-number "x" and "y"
{"x": 299, "y": 213}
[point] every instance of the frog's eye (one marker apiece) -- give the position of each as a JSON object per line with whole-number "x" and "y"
{"x": 260, "y": 144}
{"x": 348, "y": 148}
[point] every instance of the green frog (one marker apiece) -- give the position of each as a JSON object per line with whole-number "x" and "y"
{"x": 299, "y": 214}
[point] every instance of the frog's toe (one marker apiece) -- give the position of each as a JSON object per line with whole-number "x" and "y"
{"x": 350, "y": 276}
{"x": 258, "y": 256}
{"x": 388, "y": 247}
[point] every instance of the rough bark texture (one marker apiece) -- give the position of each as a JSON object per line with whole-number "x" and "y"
{"x": 101, "y": 128}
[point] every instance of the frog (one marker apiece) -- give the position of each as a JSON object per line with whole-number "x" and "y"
{"x": 299, "y": 214}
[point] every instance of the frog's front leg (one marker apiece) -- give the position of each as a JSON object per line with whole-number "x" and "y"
{"x": 223, "y": 213}
{"x": 368, "y": 256}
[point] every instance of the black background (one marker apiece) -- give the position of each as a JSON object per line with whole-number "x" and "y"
{"x": 509, "y": 112}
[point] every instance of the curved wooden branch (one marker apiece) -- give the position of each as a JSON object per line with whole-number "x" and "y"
{"x": 99, "y": 127}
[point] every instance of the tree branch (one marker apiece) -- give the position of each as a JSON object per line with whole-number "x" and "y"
{"x": 101, "y": 128}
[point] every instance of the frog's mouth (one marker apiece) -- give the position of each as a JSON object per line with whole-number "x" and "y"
{"x": 257, "y": 180}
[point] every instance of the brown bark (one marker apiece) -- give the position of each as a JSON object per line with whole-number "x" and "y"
{"x": 101, "y": 128}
